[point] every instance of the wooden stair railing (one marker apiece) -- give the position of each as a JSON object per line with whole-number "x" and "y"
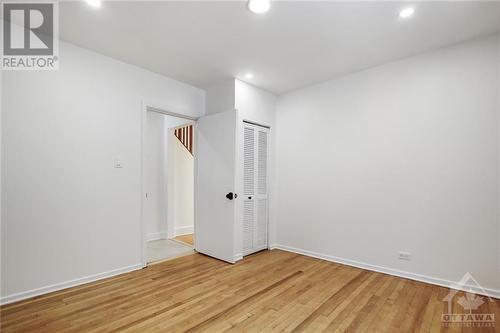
{"x": 185, "y": 136}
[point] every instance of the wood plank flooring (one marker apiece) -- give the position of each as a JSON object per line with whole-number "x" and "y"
{"x": 271, "y": 291}
{"x": 188, "y": 239}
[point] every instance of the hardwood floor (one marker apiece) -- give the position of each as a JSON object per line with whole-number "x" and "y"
{"x": 271, "y": 291}
{"x": 188, "y": 239}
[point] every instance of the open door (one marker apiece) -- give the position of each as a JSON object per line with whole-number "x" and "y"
{"x": 215, "y": 206}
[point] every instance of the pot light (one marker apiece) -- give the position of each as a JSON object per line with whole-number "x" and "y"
{"x": 94, "y": 3}
{"x": 406, "y": 13}
{"x": 249, "y": 76}
{"x": 259, "y": 6}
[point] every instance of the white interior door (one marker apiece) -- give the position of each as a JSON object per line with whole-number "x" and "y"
{"x": 215, "y": 185}
{"x": 255, "y": 188}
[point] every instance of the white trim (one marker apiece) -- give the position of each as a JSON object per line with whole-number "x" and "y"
{"x": 155, "y": 236}
{"x": 169, "y": 113}
{"x": 195, "y": 180}
{"x": 169, "y": 109}
{"x": 179, "y": 231}
{"x": 144, "y": 113}
{"x": 407, "y": 275}
{"x": 67, "y": 284}
{"x": 257, "y": 249}
{"x": 168, "y": 192}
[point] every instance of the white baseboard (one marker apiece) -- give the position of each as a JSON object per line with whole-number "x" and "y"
{"x": 183, "y": 231}
{"x": 67, "y": 284}
{"x": 155, "y": 236}
{"x": 407, "y": 275}
{"x": 238, "y": 257}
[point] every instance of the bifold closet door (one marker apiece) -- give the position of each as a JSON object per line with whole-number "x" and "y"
{"x": 255, "y": 197}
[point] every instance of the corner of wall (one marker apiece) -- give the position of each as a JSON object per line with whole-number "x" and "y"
{"x": 219, "y": 97}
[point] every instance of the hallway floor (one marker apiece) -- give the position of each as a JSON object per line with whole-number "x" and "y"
{"x": 164, "y": 249}
{"x": 188, "y": 239}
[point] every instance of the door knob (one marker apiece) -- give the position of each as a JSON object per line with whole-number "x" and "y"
{"x": 231, "y": 195}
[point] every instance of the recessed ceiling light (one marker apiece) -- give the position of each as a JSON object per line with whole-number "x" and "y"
{"x": 259, "y": 6}
{"x": 407, "y": 12}
{"x": 249, "y": 76}
{"x": 94, "y": 3}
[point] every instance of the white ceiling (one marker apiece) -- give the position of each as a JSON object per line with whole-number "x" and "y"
{"x": 295, "y": 44}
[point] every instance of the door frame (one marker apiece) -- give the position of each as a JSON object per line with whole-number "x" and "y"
{"x": 168, "y": 111}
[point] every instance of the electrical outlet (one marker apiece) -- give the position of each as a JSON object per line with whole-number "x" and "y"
{"x": 404, "y": 256}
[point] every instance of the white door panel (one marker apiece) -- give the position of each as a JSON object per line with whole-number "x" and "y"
{"x": 215, "y": 213}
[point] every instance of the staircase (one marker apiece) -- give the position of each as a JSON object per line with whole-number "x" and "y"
{"x": 185, "y": 136}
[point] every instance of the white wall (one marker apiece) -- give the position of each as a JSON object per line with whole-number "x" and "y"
{"x": 170, "y": 123}
{"x": 173, "y": 122}
{"x": 498, "y": 135}
{"x": 221, "y": 96}
{"x": 67, "y": 212}
{"x": 155, "y": 208}
{"x": 182, "y": 164}
{"x": 161, "y": 208}
{"x": 402, "y": 157}
{"x": 256, "y": 105}
{"x": 253, "y": 104}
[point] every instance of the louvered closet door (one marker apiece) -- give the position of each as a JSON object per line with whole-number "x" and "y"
{"x": 248, "y": 188}
{"x": 255, "y": 199}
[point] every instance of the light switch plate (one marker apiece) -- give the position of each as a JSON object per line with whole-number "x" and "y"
{"x": 404, "y": 256}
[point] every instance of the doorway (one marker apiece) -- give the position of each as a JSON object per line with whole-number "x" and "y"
{"x": 217, "y": 152}
{"x": 168, "y": 180}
